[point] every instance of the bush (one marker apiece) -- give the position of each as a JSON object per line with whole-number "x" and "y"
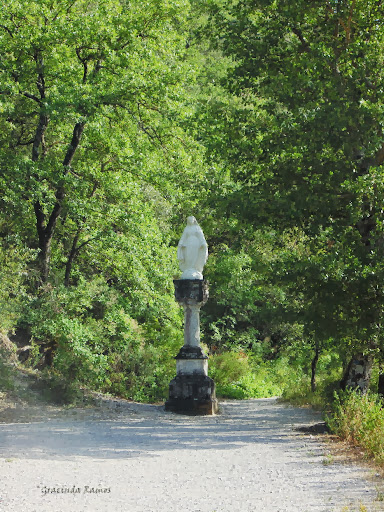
{"x": 297, "y": 377}
{"x": 140, "y": 373}
{"x": 237, "y": 377}
{"x": 92, "y": 341}
{"x": 57, "y": 389}
{"x": 229, "y": 367}
{"x": 359, "y": 419}
{"x": 6, "y": 372}
{"x": 13, "y": 271}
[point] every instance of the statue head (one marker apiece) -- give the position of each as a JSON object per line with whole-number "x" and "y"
{"x": 191, "y": 220}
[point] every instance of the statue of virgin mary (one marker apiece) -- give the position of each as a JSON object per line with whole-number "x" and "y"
{"x": 192, "y": 251}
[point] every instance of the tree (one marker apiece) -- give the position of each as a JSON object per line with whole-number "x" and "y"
{"x": 91, "y": 93}
{"x": 305, "y": 146}
{"x": 96, "y": 171}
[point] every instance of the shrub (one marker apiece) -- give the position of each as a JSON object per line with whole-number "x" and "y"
{"x": 6, "y": 372}
{"x": 359, "y": 419}
{"x": 58, "y": 389}
{"x": 95, "y": 343}
{"x": 13, "y": 271}
{"x": 141, "y": 373}
{"x": 237, "y": 377}
{"x": 229, "y": 367}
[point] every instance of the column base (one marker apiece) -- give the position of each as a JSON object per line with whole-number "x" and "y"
{"x": 192, "y": 394}
{"x": 191, "y": 360}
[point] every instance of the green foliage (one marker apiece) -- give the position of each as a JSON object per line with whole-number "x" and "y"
{"x": 297, "y": 106}
{"x": 89, "y": 118}
{"x": 119, "y": 118}
{"x": 6, "y": 372}
{"x": 13, "y": 277}
{"x": 229, "y": 367}
{"x": 246, "y": 308}
{"x": 96, "y": 170}
{"x": 296, "y": 378}
{"x": 142, "y": 374}
{"x": 359, "y": 419}
{"x": 235, "y": 298}
{"x": 236, "y": 376}
{"x": 96, "y": 343}
{"x": 58, "y": 388}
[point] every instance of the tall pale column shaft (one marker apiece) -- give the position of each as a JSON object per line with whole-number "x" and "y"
{"x": 192, "y": 325}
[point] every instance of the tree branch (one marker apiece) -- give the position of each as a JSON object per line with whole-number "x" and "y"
{"x": 76, "y": 136}
{"x": 40, "y": 219}
{"x": 60, "y": 193}
{"x": 31, "y": 97}
{"x": 379, "y": 157}
{"x": 39, "y": 135}
{"x": 40, "y": 83}
{"x": 304, "y": 43}
{"x": 7, "y": 30}
{"x": 84, "y": 63}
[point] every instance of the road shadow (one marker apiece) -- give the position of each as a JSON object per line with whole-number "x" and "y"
{"x": 149, "y": 430}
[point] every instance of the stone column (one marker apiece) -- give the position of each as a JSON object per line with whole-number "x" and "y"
{"x": 192, "y": 391}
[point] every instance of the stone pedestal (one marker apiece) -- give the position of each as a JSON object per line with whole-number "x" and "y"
{"x": 191, "y": 391}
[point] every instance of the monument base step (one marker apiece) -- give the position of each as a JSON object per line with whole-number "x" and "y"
{"x": 192, "y": 394}
{"x": 192, "y": 407}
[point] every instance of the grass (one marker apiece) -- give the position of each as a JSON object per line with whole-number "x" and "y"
{"x": 359, "y": 420}
{"x": 355, "y": 418}
{"x": 238, "y": 375}
{"x": 328, "y": 460}
{"x": 380, "y": 495}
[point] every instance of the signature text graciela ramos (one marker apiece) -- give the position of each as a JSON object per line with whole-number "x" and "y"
{"x": 74, "y": 489}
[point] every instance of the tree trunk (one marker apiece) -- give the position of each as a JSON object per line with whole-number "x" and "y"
{"x": 315, "y": 360}
{"x": 71, "y": 258}
{"x": 380, "y": 386}
{"x": 45, "y": 233}
{"x": 358, "y": 373}
{"x": 45, "y": 230}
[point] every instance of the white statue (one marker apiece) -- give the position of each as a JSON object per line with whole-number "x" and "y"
{"x": 192, "y": 251}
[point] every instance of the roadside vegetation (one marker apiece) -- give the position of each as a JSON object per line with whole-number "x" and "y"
{"x": 264, "y": 119}
{"x": 359, "y": 420}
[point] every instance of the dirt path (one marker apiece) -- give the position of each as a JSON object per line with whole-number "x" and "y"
{"x": 139, "y": 458}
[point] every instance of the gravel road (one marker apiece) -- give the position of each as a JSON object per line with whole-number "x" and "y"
{"x": 140, "y": 458}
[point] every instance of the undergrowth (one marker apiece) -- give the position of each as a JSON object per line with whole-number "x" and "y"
{"x": 239, "y": 375}
{"x": 359, "y": 419}
{"x": 6, "y": 373}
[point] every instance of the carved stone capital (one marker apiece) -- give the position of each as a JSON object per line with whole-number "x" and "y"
{"x": 191, "y": 291}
